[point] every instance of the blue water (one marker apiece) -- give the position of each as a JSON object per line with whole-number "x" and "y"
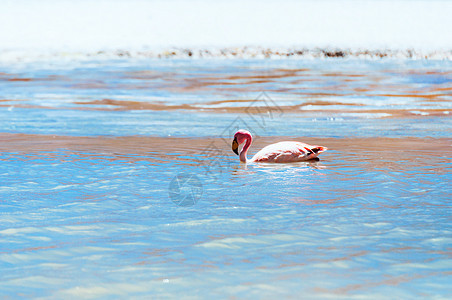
{"x": 103, "y": 198}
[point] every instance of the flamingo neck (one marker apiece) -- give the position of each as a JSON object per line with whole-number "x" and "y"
{"x": 245, "y": 149}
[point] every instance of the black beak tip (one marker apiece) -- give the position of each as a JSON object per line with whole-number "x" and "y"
{"x": 235, "y": 146}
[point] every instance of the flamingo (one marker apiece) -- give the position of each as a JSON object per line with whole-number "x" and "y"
{"x": 282, "y": 152}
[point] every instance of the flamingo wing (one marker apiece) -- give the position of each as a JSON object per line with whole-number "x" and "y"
{"x": 284, "y": 152}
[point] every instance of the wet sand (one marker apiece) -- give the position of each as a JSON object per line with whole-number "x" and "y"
{"x": 397, "y": 151}
{"x": 304, "y": 91}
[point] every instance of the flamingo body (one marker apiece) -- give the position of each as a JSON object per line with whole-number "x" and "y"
{"x": 285, "y": 152}
{"x": 282, "y": 152}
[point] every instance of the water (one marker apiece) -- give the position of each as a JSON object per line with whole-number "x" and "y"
{"x": 117, "y": 179}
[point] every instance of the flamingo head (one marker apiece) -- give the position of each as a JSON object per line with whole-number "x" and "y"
{"x": 240, "y": 137}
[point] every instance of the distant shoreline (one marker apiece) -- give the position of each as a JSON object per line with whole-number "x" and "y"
{"x": 228, "y": 53}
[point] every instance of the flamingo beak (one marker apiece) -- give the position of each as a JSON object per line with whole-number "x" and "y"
{"x": 235, "y": 146}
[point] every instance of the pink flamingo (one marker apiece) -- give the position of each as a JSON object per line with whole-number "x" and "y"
{"x": 282, "y": 152}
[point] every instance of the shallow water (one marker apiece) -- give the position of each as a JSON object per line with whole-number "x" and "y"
{"x": 117, "y": 179}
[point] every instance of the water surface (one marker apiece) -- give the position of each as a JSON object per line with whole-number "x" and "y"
{"x": 89, "y": 150}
